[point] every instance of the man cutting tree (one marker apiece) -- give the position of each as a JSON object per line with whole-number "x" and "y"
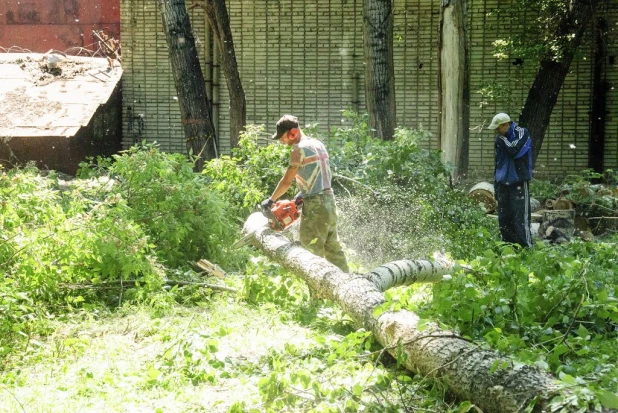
{"x": 310, "y": 166}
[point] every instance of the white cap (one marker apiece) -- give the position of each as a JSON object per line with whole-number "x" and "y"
{"x": 498, "y": 120}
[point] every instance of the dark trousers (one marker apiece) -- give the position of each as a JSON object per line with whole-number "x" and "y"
{"x": 514, "y": 212}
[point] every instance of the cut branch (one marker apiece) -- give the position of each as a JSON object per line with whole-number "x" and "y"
{"x": 133, "y": 283}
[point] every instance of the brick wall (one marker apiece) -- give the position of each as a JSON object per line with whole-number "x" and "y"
{"x": 41, "y": 25}
{"x": 306, "y": 58}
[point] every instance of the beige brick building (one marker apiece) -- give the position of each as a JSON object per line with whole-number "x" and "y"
{"x": 306, "y": 57}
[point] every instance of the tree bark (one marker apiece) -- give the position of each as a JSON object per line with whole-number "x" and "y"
{"x": 379, "y": 69}
{"x": 469, "y": 372}
{"x": 195, "y": 108}
{"x": 600, "y": 86}
{"x": 543, "y": 94}
{"x": 453, "y": 130}
{"x": 217, "y": 14}
{"x": 408, "y": 272}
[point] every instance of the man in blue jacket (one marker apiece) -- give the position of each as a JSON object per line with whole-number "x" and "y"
{"x": 513, "y": 171}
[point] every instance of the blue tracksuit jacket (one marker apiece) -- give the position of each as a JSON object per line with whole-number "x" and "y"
{"x": 513, "y": 156}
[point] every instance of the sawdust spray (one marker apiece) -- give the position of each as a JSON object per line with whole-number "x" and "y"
{"x": 377, "y": 228}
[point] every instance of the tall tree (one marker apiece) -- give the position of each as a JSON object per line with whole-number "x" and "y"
{"x": 216, "y": 12}
{"x": 195, "y": 108}
{"x": 568, "y": 20}
{"x": 379, "y": 69}
{"x": 600, "y": 86}
{"x": 453, "y": 130}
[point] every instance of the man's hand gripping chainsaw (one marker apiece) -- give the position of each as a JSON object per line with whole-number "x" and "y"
{"x": 282, "y": 214}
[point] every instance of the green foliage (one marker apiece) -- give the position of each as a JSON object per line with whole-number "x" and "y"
{"x": 543, "y": 36}
{"x": 176, "y": 208}
{"x": 134, "y": 213}
{"x": 250, "y": 175}
{"x": 410, "y": 209}
{"x": 190, "y": 359}
{"x": 355, "y": 154}
{"x": 50, "y": 241}
{"x": 267, "y": 282}
{"x": 492, "y": 91}
{"x": 334, "y": 374}
{"x": 542, "y": 190}
{"x": 554, "y": 307}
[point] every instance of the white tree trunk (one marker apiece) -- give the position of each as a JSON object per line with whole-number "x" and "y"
{"x": 407, "y": 272}
{"x": 454, "y": 89}
{"x": 488, "y": 380}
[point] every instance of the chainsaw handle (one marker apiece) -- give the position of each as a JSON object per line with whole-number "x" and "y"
{"x": 266, "y": 204}
{"x": 298, "y": 199}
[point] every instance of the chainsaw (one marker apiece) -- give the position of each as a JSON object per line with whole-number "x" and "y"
{"x": 280, "y": 216}
{"x": 283, "y": 213}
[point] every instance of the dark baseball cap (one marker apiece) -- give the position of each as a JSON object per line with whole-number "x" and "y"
{"x": 284, "y": 124}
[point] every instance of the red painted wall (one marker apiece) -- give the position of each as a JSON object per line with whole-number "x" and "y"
{"x": 40, "y": 25}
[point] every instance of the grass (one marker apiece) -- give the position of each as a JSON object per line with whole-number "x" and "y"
{"x": 225, "y": 356}
{"x": 106, "y": 364}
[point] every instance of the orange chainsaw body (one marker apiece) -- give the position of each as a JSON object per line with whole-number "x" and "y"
{"x": 283, "y": 214}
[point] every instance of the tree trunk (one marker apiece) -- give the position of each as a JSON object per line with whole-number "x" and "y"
{"x": 600, "y": 86}
{"x": 543, "y": 94}
{"x": 195, "y": 108}
{"x": 217, "y": 14}
{"x": 453, "y": 131}
{"x": 407, "y": 272}
{"x": 379, "y": 69}
{"x": 469, "y": 372}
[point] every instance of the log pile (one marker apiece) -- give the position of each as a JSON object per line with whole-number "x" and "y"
{"x": 588, "y": 210}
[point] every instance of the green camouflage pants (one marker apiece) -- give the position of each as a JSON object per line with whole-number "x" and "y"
{"x": 318, "y": 229}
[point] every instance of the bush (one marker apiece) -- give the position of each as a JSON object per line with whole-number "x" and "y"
{"x": 250, "y": 175}
{"x": 176, "y": 207}
{"x": 49, "y": 243}
{"x": 555, "y": 307}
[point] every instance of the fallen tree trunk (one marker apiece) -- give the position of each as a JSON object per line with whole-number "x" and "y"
{"x": 470, "y": 372}
{"x": 407, "y": 272}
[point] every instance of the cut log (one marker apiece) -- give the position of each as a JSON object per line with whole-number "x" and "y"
{"x": 483, "y": 193}
{"x": 563, "y": 204}
{"x": 603, "y": 191}
{"x": 210, "y": 268}
{"x": 468, "y": 371}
